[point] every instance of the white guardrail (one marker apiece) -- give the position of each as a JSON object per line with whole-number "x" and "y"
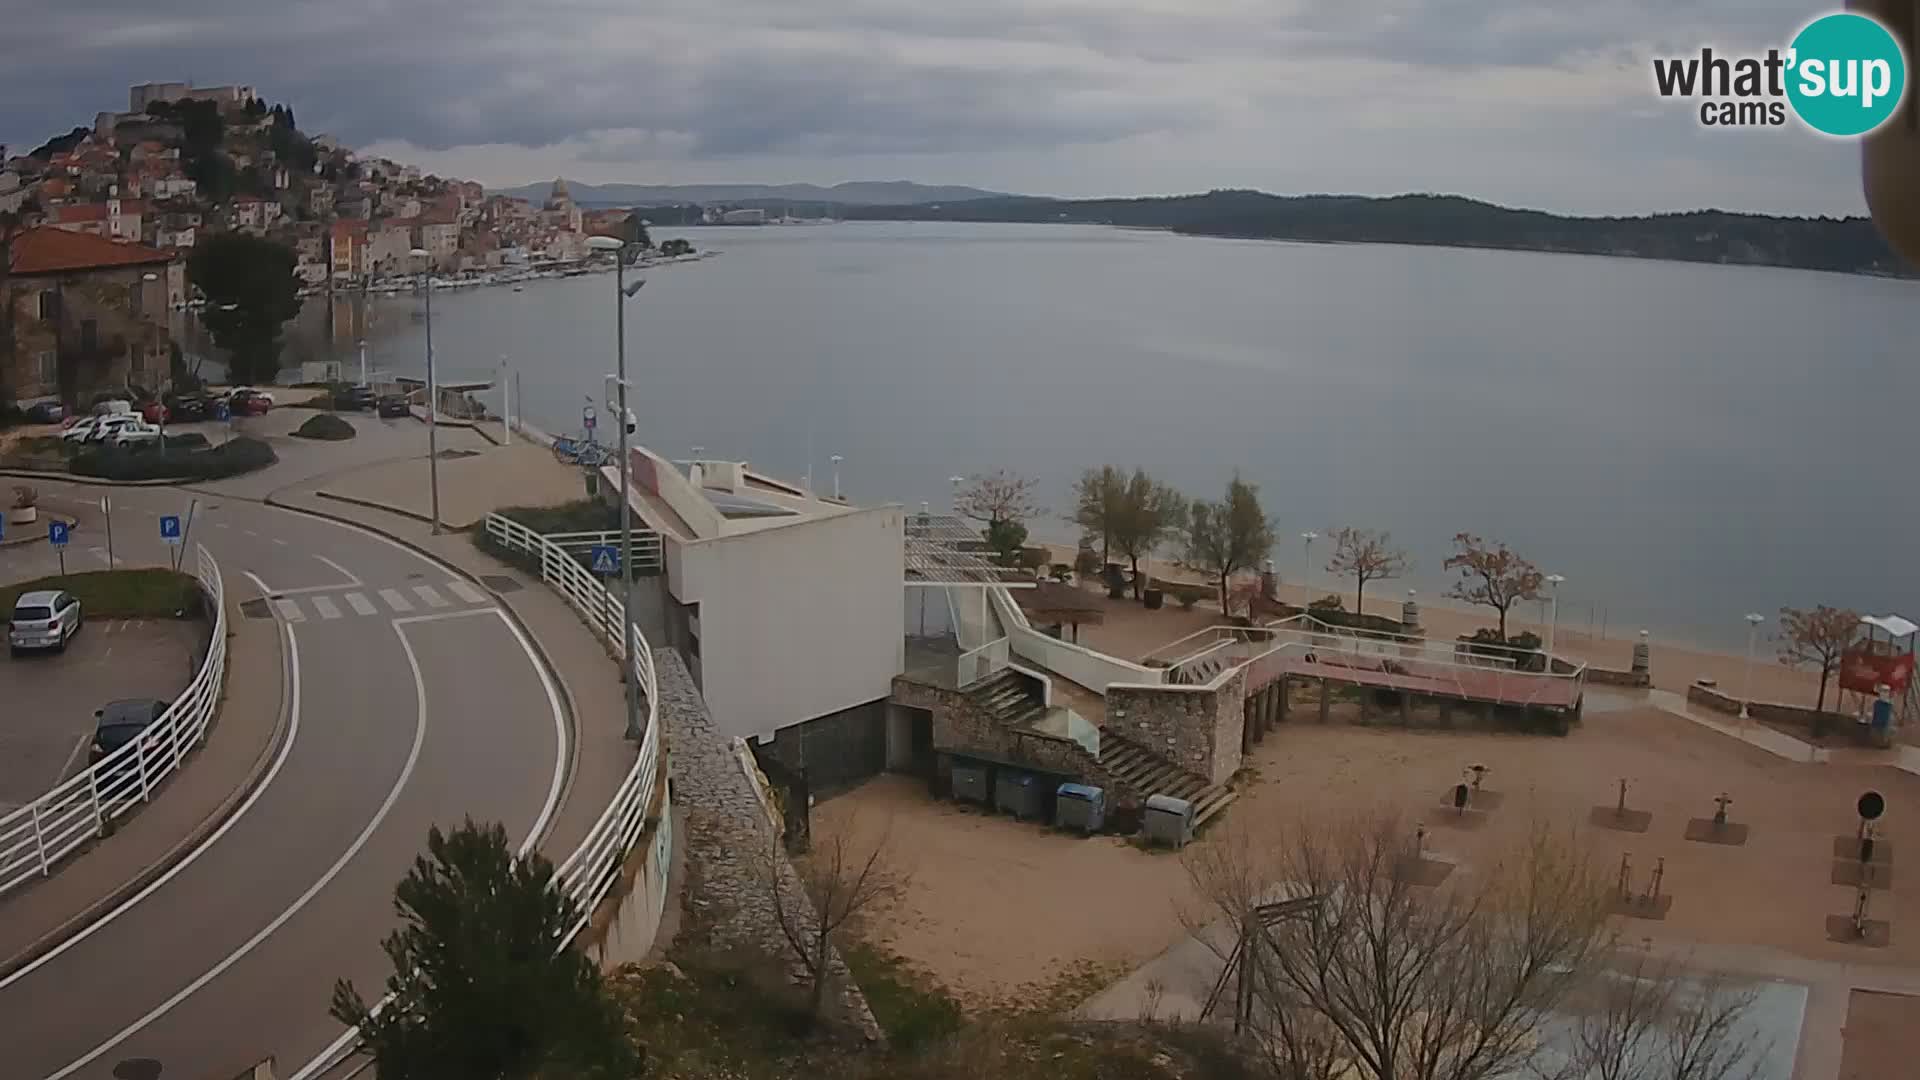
{"x": 590, "y": 872}
{"x": 36, "y": 836}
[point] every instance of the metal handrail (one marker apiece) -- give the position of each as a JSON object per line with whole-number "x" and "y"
{"x": 978, "y": 664}
{"x": 36, "y": 836}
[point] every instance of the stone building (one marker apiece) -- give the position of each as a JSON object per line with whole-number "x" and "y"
{"x": 84, "y": 313}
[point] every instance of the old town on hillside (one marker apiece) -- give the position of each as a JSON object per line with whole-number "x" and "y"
{"x": 97, "y": 226}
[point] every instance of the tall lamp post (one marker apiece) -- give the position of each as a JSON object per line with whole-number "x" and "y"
{"x": 1754, "y": 619}
{"x": 1553, "y": 617}
{"x": 433, "y": 390}
{"x": 622, "y": 292}
{"x": 836, "y": 459}
{"x": 1306, "y": 569}
{"x": 956, "y": 481}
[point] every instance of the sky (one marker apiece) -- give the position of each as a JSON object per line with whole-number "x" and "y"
{"x": 1547, "y": 104}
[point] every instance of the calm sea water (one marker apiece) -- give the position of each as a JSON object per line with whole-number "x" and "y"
{"x": 1684, "y": 443}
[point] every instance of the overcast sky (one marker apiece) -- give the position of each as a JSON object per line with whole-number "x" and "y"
{"x": 1547, "y": 104}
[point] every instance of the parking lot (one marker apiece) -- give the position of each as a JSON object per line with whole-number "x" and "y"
{"x": 46, "y": 722}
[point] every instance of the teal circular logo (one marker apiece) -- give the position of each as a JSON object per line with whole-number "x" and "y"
{"x": 1846, "y": 74}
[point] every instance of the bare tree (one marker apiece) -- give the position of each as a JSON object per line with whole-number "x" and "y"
{"x": 1228, "y": 536}
{"x": 1380, "y": 977}
{"x": 842, "y": 879}
{"x": 1147, "y": 515}
{"x": 1365, "y": 555}
{"x": 1821, "y": 636}
{"x": 1097, "y": 498}
{"x": 1648, "y": 1020}
{"x": 998, "y": 498}
{"x": 1492, "y": 576}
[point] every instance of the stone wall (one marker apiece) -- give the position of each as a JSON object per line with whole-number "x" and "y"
{"x": 960, "y": 727}
{"x": 729, "y": 840}
{"x": 1196, "y": 728}
{"x": 1607, "y": 677}
{"x": 1771, "y": 711}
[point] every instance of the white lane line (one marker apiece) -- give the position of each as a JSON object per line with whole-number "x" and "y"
{"x": 289, "y": 610}
{"x": 360, "y": 604}
{"x": 431, "y": 596}
{"x": 393, "y": 796}
{"x": 79, "y": 744}
{"x": 344, "y": 572}
{"x": 326, "y": 607}
{"x": 562, "y": 765}
{"x": 466, "y": 592}
{"x": 251, "y": 533}
{"x": 395, "y": 600}
{"x": 286, "y": 748}
{"x": 221, "y": 525}
{"x": 277, "y": 540}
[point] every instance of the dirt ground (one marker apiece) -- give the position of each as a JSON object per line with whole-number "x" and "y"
{"x": 1882, "y": 1036}
{"x": 997, "y": 905}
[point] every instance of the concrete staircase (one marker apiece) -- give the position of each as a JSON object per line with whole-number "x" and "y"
{"x": 1150, "y": 774}
{"x": 1012, "y": 699}
{"x": 1201, "y": 672}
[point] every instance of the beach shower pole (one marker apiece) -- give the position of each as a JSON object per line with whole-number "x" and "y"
{"x": 836, "y": 459}
{"x": 1553, "y": 620}
{"x": 1754, "y": 619}
{"x": 433, "y": 393}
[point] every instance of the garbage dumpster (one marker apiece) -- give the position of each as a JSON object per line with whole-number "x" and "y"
{"x": 1079, "y": 806}
{"x": 1169, "y": 820}
{"x": 972, "y": 783}
{"x": 1018, "y": 794}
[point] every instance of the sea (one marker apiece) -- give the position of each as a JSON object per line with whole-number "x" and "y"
{"x": 1684, "y": 443}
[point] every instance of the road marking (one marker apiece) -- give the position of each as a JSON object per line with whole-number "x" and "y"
{"x": 393, "y": 796}
{"x": 66, "y": 771}
{"x": 221, "y": 525}
{"x": 344, "y": 572}
{"x": 251, "y": 533}
{"x": 289, "y": 610}
{"x": 279, "y": 541}
{"x": 326, "y": 607}
{"x": 562, "y": 767}
{"x": 432, "y": 597}
{"x": 360, "y": 604}
{"x": 396, "y": 601}
{"x": 466, "y": 592}
{"x": 286, "y": 748}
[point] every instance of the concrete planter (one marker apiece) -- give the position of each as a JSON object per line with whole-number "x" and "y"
{"x": 23, "y": 515}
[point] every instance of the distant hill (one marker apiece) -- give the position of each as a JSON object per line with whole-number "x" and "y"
{"x": 854, "y": 193}
{"x": 1846, "y": 245}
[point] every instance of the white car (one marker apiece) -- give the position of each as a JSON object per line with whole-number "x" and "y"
{"x": 238, "y": 390}
{"x": 100, "y": 428}
{"x": 135, "y": 431}
{"x": 43, "y": 620}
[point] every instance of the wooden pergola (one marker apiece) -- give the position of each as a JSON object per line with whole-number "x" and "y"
{"x": 1051, "y": 603}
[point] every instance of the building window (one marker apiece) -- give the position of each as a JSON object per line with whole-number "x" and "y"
{"x": 89, "y": 335}
{"x": 49, "y": 305}
{"x": 49, "y": 368}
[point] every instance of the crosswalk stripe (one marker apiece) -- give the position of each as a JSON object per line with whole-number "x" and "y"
{"x": 396, "y": 601}
{"x": 466, "y": 592}
{"x": 432, "y": 597}
{"x": 289, "y": 610}
{"x": 326, "y": 607}
{"x": 360, "y": 604}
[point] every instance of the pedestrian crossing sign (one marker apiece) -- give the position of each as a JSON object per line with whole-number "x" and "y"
{"x": 605, "y": 559}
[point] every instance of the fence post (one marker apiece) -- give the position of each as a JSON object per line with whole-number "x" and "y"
{"x": 176, "y": 739}
{"x": 99, "y": 815}
{"x": 140, "y": 763}
{"x": 39, "y": 840}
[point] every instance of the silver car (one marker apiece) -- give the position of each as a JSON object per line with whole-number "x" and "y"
{"x": 43, "y": 620}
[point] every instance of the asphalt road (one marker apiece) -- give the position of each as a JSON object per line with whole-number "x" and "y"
{"x": 414, "y": 702}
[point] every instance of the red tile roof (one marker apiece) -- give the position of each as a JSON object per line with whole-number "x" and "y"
{"x": 52, "y": 251}
{"x": 81, "y": 212}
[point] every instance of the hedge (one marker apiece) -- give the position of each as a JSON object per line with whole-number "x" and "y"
{"x": 325, "y": 426}
{"x": 228, "y": 459}
{"x": 120, "y": 594}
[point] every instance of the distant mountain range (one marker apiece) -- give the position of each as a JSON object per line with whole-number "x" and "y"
{"x": 854, "y": 193}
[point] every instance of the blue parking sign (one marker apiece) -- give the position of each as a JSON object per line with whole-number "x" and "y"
{"x": 170, "y": 528}
{"x": 605, "y": 559}
{"x": 57, "y": 533}
{"x": 221, "y": 412}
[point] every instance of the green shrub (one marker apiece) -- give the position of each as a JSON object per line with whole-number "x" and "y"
{"x": 325, "y": 426}
{"x": 120, "y": 594}
{"x": 914, "y": 1013}
{"x": 1328, "y": 603}
{"x": 228, "y": 459}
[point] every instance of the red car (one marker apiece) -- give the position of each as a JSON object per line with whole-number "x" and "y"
{"x": 248, "y": 403}
{"x": 153, "y": 412}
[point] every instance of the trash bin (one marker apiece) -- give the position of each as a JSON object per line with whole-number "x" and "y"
{"x": 1079, "y": 806}
{"x": 1018, "y": 794}
{"x": 1169, "y": 820}
{"x": 972, "y": 783}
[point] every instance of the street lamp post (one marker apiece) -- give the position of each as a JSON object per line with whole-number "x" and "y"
{"x": 621, "y": 294}
{"x": 956, "y": 481}
{"x": 363, "y": 362}
{"x": 1306, "y": 568}
{"x": 433, "y": 391}
{"x": 1754, "y": 619}
{"x": 1553, "y": 618}
{"x": 506, "y": 407}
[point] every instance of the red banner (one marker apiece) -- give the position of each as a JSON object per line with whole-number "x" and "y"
{"x": 1865, "y": 673}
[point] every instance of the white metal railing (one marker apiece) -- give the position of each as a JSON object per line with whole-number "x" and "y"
{"x": 36, "y": 836}
{"x": 589, "y": 873}
{"x": 646, "y": 545}
{"x": 1093, "y": 670}
{"x": 976, "y": 665}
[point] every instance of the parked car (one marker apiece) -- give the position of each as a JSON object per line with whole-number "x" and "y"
{"x": 112, "y": 407}
{"x": 135, "y": 431}
{"x": 46, "y": 412}
{"x": 118, "y": 723}
{"x": 154, "y": 412}
{"x": 240, "y": 390}
{"x": 354, "y": 397}
{"x": 187, "y": 408}
{"x": 43, "y": 619}
{"x": 99, "y": 428}
{"x": 249, "y": 403}
{"x": 392, "y": 405}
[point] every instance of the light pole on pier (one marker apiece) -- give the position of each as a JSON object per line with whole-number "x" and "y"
{"x": 433, "y": 390}
{"x": 622, "y": 292}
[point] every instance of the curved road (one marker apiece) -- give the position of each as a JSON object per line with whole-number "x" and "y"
{"x": 414, "y": 701}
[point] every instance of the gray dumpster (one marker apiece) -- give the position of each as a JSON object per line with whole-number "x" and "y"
{"x": 1169, "y": 820}
{"x": 1019, "y": 794}
{"x": 1079, "y": 806}
{"x": 973, "y": 783}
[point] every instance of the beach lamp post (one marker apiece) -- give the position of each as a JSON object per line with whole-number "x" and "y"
{"x": 1754, "y": 619}
{"x": 622, "y": 292}
{"x": 1553, "y": 616}
{"x": 956, "y": 481}
{"x": 506, "y": 401}
{"x": 836, "y": 459}
{"x": 1306, "y": 575}
{"x": 433, "y": 391}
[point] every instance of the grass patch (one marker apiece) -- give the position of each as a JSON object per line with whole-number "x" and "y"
{"x": 325, "y": 426}
{"x": 722, "y": 1014}
{"x": 581, "y": 515}
{"x": 119, "y": 594}
{"x": 911, "y": 1008}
